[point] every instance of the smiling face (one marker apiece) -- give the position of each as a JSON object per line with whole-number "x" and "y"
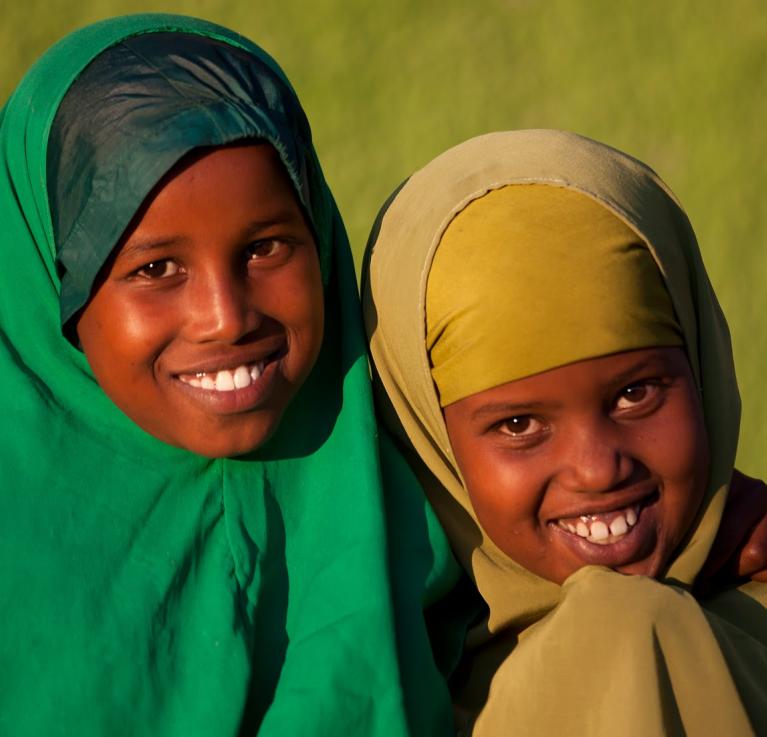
{"x": 600, "y": 462}
{"x": 209, "y": 316}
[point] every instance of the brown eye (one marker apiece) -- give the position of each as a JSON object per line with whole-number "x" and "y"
{"x": 268, "y": 248}
{"x": 634, "y": 393}
{"x": 637, "y": 396}
{"x": 520, "y": 425}
{"x": 158, "y": 269}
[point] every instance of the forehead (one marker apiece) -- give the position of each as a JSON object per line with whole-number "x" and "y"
{"x": 212, "y": 196}
{"x": 249, "y": 174}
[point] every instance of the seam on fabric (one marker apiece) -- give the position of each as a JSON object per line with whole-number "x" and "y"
{"x": 221, "y": 462}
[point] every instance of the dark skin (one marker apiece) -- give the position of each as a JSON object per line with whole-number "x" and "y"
{"x": 739, "y": 552}
{"x": 217, "y": 284}
{"x": 740, "y": 548}
{"x": 599, "y": 462}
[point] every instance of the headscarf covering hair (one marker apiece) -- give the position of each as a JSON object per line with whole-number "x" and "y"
{"x": 556, "y": 672}
{"x": 528, "y": 278}
{"x": 146, "y": 589}
{"x": 166, "y": 93}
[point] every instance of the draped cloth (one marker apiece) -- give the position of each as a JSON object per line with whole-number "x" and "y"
{"x": 603, "y": 653}
{"x": 492, "y": 291}
{"x": 144, "y": 589}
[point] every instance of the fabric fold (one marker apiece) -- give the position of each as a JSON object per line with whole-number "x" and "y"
{"x": 146, "y": 590}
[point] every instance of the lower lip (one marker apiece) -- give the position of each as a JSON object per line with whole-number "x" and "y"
{"x": 635, "y": 545}
{"x": 248, "y": 398}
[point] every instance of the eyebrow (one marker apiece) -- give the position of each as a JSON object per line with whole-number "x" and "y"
{"x": 135, "y": 246}
{"x": 282, "y": 217}
{"x": 655, "y": 362}
{"x": 512, "y": 408}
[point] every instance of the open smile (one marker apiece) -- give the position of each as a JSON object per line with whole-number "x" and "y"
{"x": 225, "y": 380}
{"x": 239, "y": 387}
{"x": 614, "y": 537}
{"x": 603, "y": 529}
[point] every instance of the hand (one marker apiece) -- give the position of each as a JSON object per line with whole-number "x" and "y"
{"x": 740, "y": 549}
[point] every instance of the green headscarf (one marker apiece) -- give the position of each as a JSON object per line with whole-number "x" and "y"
{"x": 146, "y": 590}
{"x": 603, "y": 653}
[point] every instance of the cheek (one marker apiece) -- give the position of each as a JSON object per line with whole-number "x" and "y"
{"x": 682, "y": 445}
{"x": 302, "y": 304}
{"x": 678, "y": 456}
{"x": 503, "y": 493}
{"x": 694, "y": 468}
{"x": 118, "y": 335}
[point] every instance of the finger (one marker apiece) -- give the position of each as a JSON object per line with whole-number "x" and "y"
{"x": 753, "y": 556}
{"x": 745, "y": 511}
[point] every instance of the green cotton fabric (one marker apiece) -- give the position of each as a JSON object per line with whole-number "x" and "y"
{"x": 149, "y": 591}
{"x": 604, "y": 653}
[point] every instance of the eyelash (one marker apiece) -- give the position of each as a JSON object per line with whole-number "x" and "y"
{"x": 650, "y": 398}
{"x": 518, "y": 435}
{"x": 517, "y": 428}
{"x": 274, "y": 246}
{"x": 142, "y": 272}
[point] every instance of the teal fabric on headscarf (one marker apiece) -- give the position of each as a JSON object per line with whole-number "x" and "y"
{"x": 132, "y": 114}
{"x": 147, "y": 590}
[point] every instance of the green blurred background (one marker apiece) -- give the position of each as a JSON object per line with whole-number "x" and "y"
{"x": 679, "y": 84}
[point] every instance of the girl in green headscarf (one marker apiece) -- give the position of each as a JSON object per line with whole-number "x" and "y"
{"x": 192, "y": 524}
{"x": 549, "y": 346}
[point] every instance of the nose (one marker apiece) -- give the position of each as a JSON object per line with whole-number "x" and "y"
{"x": 594, "y": 459}
{"x": 219, "y": 306}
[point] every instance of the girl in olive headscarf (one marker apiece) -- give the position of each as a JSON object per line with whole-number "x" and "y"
{"x": 172, "y": 561}
{"x": 549, "y": 346}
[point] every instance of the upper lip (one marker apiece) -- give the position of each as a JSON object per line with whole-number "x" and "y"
{"x": 234, "y": 357}
{"x": 612, "y": 502}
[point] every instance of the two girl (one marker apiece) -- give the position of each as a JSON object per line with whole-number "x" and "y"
{"x": 195, "y": 535}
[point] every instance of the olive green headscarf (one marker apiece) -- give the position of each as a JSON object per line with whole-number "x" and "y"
{"x": 604, "y": 653}
{"x": 146, "y": 590}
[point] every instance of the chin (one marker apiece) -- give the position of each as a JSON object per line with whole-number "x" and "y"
{"x": 218, "y": 443}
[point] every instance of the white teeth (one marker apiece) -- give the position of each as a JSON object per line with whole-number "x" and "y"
{"x": 242, "y": 377}
{"x": 224, "y": 381}
{"x": 599, "y": 531}
{"x": 618, "y": 526}
{"x": 256, "y": 371}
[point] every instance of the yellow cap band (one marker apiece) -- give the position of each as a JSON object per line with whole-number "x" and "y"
{"x": 531, "y": 277}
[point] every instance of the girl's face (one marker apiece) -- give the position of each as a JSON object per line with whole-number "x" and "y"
{"x": 600, "y": 462}
{"x": 209, "y": 315}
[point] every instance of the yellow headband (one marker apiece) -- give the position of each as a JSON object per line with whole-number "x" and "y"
{"x": 531, "y": 277}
